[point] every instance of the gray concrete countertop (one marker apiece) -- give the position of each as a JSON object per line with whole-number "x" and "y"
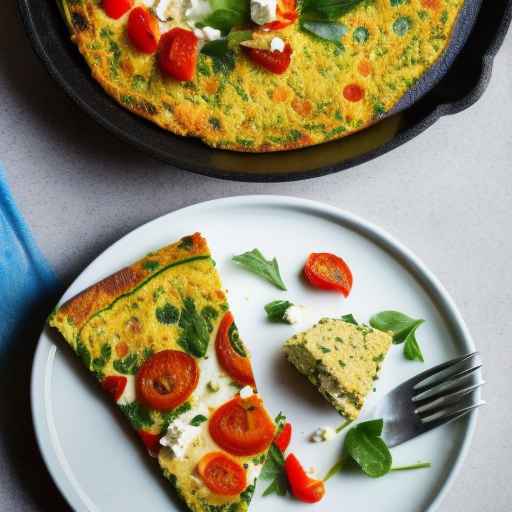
{"x": 447, "y": 195}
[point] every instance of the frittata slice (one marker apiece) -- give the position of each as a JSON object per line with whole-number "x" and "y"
{"x": 341, "y": 359}
{"x": 160, "y": 338}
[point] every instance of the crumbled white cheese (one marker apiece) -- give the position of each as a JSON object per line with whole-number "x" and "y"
{"x": 196, "y": 10}
{"x": 162, "y": 10}
{"x": 246, "y": 392}
{"x": 207, "y": 34}
{"x": 294, "y": 314}
{"x": 213, "y": 386}
{"x": 277, "y": 45}
{"x": 263, "y": 11}
{"x": 322, "y": 434}
{"x": 179, "y": 435}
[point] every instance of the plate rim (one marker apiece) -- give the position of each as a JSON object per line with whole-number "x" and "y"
{"x": 442, "y": 109}
{"x": 437, "y": 292}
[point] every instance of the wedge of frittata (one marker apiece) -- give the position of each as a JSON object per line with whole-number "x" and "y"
{"x": 341, "y": 359}
{"x": 159, "y": 337}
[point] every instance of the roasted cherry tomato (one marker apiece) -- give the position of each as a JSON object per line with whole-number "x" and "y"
{"x": 178, "y": 52}
{"x": 329, "y": 272}
{"x": 303, "y": 487}
{"x": 167, "y": 379}
{"x": 114, "y": 385}
{"x": 151, "y": 441}
{"x": 143, "y": 30}
{"x": 221, "y": 474}
{"x": 229, "y": 351}
{"x": 242, "y": 427}
{"x": 286, "y": 14}
{"x": 282, "y": 440}
{"x": 116, "y": 8}
{"x": 276, "y": 62}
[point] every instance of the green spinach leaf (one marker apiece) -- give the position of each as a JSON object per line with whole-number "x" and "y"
{"x": 328, "y": 10}
{"x": 129, "y": 365}
{"x": 276, "y": 309}
{"x": 350, "y": 319}
{"x": 412, "y": 350}
{"x": 194, "y": 337}
{"x": 273, "y": 470}
{"x": 167, "y": 314}
{"x": 328, "y": 30}
{"x": 255, "y": 262}
{"x": 399, "y": 324}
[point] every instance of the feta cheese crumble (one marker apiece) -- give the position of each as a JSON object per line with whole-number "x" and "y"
{"x": 179, "y": 435}
{"x": 207, "y": 34}
{"x": 263, "y": 11}
{"x": 246, "y": 392}
{"x": 277, "y": 45}
{"x": 161, "y": 10}
{"x": 294, "y": 314}
{"x": 323, "y": 434}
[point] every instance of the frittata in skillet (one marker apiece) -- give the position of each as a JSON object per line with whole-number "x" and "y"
{"x": 260, "y": 75}
{"x": 159, "y": 337}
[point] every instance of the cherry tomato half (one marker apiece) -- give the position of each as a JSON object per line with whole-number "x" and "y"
{"x": 353, "y": 92}
{"x": 329, "y": 272}
{"x": 143, "y": 30}
{"x": 282, "y": 440}
{"x": 242, "y": 427}
{"x": 221, "y": 474}
{"x": 167, "y": 379}
{"x": 303, "y": 487}
{"x": 235, "y": 364}
{"x": 114, "y": 385}
{"x": 178, "y": 52}
{"x": 286, "y": 14}
{"x": 151, "y": 441}
{"x": 116, "y": 8}
{"x": 276, "y": 62}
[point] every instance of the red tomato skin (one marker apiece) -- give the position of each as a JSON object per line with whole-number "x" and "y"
{"x": 151, "y": 441}
{"x": 275, "y": 62}
{"x": 282, "y": 440}
{"x": 353, "y": 92}
{"x": 286, "y": 14}
{"x": 177, "y": 55}
{"x": 116, "y": 8}
{"x": 143, "y": 30}
{"x": 114, "y": 385}
{"x": 222, "y": 463}
{"x": 303, "y": 487}
{"x": 320, "y": 281}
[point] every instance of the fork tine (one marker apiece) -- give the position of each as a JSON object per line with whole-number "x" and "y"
{"x": 415, "y": 381}
{"x": 437, "y": 402}
{"x": 458, "y": 367}
{"x": 440, "y": 387}
{"x": 448, "y": 415}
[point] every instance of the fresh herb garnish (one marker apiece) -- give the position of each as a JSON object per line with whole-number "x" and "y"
{"x": 226, "y": 14}
{"x": 197, "y": 420}
{"x": 328, "y": 30}
{"x": 194, "y": 337}
{"x": 236, "y": 342}
{"x": 350, "y": 319}
{"x": 105, "y": 352}
{"x": 403, "y": 328}
{"x": 328, "y": 10}
{"x": 138, "y": 415}
{"x": 365, "y": 446}
{"x": 276, "y": 310}
{"x": 255, "y": 262}
{"x": 167, "y": 314}
{"x": 273, "y": 471}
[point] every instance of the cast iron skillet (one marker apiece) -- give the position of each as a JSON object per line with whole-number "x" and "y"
{"x": 453, "y": 84}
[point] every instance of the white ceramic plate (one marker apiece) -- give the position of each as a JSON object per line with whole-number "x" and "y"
{"x": 94, "y": 457}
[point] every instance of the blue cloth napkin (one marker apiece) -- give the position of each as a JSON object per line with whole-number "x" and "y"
{"x": 25, "y": 277}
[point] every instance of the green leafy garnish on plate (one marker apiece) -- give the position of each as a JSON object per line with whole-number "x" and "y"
{"x": 195, "y": 336}
{"x": 328, "y": 30}
{"x": 403, "y": 328}
{"x": 350, "y": 319}
{"x": 328, "y": 10}
{"x": 276, "y": 310}
{"x": 273, "y": 471}
{"x": 256, "y": 263}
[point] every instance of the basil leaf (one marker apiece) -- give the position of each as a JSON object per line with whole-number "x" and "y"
{"x": 217, "y": 48}
{"x": 194, "y": 337}
{"x": 255, "y": 262}
{"x": 412, "y": 350}
{"x": 197, "y": 420}
{"x": 276, "y": 310}
{"x": 224, "y": 19}
{"x": 399, "y": 324}
{"x": 350, "y": 319}
{"x": 328, "y": 10}
{"x": 274, "y": 464}
{"x": 369, "y": 451}
{"x": 327, "y": 30}
{"x": 278, "y": 486}
{"x": 371, "y": 427}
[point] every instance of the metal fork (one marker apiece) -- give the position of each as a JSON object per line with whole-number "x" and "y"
{"x": 433, "y": 398}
